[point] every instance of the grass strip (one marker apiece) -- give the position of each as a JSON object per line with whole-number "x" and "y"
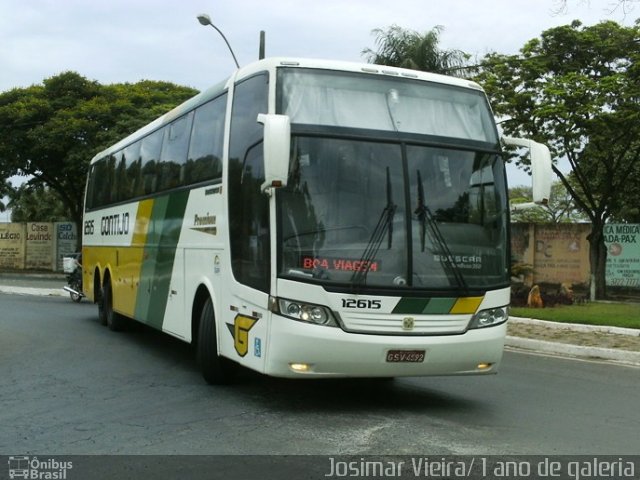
{"x": 626, "y": 315}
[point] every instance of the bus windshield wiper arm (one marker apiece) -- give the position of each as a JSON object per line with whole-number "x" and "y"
{"x": 384, "y": 225}
{"x": 435, "y": 235}
{"x": 422, "y": 211}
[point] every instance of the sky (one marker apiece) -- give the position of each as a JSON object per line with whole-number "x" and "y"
{"x": 116, "y": 41}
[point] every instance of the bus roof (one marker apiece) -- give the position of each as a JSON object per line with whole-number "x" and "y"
{"x": 371, "y": 68}
{"x": 270, "y": 64}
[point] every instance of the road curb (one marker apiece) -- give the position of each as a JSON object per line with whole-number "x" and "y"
{"x": 42, "y": 292}
{"x": 570, "y": 350}
{"x": 576, "y": 327}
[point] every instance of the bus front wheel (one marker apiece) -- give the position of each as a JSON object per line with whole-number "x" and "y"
{"x": 216, "y": 370}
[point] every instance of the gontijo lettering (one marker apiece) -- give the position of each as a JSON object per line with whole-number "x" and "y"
{"x": 117, "y": 224}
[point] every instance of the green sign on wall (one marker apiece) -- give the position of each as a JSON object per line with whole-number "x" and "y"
{"x": 623, "y": 254}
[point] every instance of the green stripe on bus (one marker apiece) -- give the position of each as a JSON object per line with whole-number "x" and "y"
{"x": 159, "y": 255}
{"x": 415, "y": 306}
{"x": 410, "y": 305}
{"x": 439, "y": 305}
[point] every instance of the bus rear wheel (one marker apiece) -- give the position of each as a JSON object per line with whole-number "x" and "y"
{"x": 216, "y": 370}
{"x": 115, "y": 321}
{"x": 102, "y": 314}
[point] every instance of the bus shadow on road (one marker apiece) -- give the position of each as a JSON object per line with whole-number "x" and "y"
{"x": 410, "y": 394}
{"x": 354, "y": 395}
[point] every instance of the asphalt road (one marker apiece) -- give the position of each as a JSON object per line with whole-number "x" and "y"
{"x": 70, "y": 386}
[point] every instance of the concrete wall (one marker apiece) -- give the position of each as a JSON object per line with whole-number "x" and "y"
{"x": 36, "y": 245}
{"x": 559, "y": 253}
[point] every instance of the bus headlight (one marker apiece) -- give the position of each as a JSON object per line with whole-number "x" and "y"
{"x": 489, "y": 317}
{"x": 306, "y": 312}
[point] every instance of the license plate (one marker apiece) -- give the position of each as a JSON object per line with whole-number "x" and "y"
{"x": 405, "y": 356}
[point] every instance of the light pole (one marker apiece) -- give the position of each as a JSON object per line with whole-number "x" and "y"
{"x": 204, "y": 19}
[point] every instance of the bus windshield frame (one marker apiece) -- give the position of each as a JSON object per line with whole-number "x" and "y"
{"x": 392, "y": 207}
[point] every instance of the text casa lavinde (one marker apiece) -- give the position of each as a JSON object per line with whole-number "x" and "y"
{"x": 38, "y": 232}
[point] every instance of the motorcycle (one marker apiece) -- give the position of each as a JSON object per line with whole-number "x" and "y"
{"x": 72, "y": 266}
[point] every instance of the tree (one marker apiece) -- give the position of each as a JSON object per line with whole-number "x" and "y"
{"x": 50, "y": 132}
{"x": 560, "y": 209}
{"x": 629, "y": 210}
{"x": 625, "y": 5}
{"x": 36, "y": 204}
{"x": 576, "y": 89}
{"x": 398, "y": 47}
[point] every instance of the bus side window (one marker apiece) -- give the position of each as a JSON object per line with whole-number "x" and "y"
{"x": 205, "y": 148}
{"x": 122, "y": 190}
{"x": 248, "y": 206}
{"x": 149, "y": 154}
{"x": 174, "y": 152}
{"x": 132, "y": 155}
{"x": 92, "y": 188}
{"x": 109, "y": 192}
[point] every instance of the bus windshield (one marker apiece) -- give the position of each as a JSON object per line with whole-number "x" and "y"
{"x": 392, "y": 211}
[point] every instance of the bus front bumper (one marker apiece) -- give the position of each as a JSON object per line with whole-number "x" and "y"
{"x": 297, "y": 349}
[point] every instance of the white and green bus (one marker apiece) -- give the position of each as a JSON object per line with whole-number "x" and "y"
{"x": 310, "y": 218}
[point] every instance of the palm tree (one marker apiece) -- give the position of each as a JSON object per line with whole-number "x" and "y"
{"x": 398, "y": 47}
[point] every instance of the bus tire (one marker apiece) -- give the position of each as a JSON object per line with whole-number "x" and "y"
{"x": 215, "y": 369}
{"x": 102, "y": 314}
{"x": 115, "y": 321}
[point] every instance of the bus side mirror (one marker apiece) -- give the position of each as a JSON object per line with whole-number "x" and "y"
{"x": 277, "y": 149}
{"x": 541, "y": 171}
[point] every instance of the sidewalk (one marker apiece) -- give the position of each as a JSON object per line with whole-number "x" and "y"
{"x": 621, "y": 345}
{"x": 50, "y": 283}
{"x": 567, "y": 339}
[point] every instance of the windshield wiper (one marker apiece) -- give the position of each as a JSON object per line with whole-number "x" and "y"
{"x": 384, "y": 226}
{"x": 422, "y": 212}
{"x": 435, "y": 236}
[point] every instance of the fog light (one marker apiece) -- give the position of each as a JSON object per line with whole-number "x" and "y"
{"x": 300, "y": 367}
{"x": 484, "y": 366}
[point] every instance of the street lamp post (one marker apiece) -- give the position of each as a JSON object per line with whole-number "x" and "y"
{"x": 204, "y": 19}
